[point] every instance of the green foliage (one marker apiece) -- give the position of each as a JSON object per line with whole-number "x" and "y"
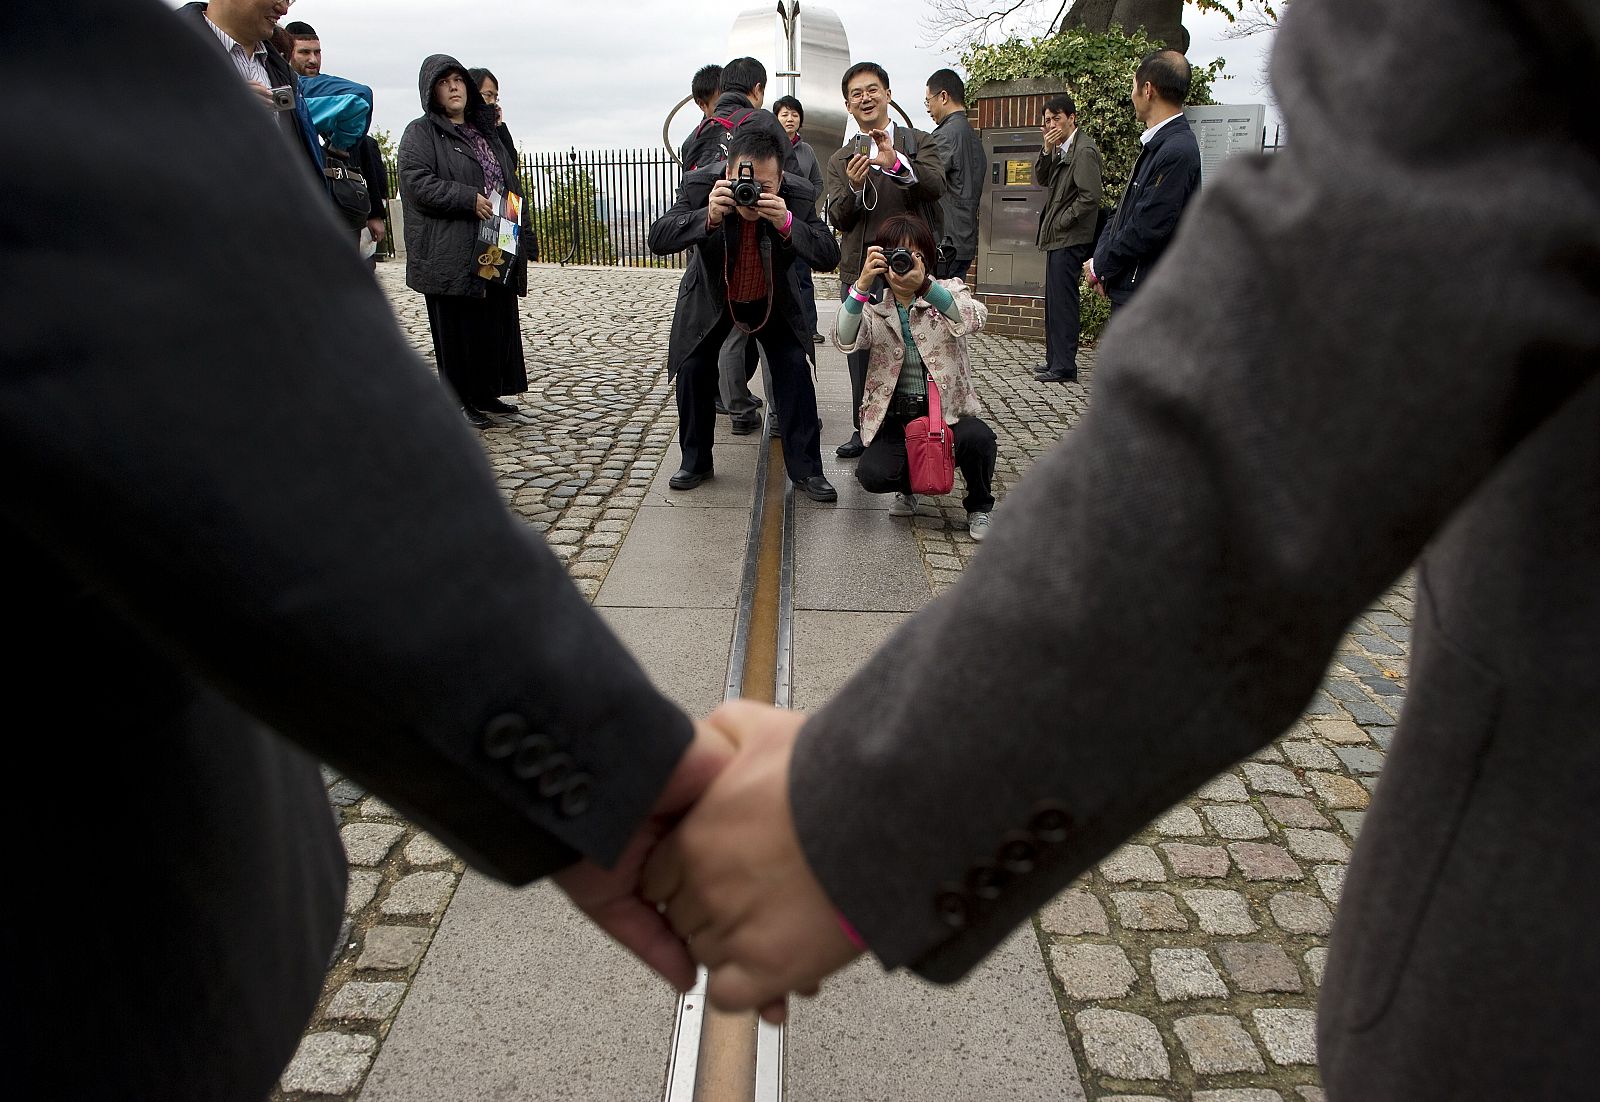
{"x": 1093, "y": 312}
{"x": 1097, "y": 69}
{"x": 570, "y": 227}
{"x": 386, "y": 145}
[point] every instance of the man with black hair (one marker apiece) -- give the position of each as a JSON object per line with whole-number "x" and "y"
{"x": 901, "y": 172}
{"x": 792, "y": 116}
{"x": 743, "y": 90}
{"x": 306, "y": 60}
{"x": 1070, "y": 168}
{"x": 703, "y": 89}
{"x": 742, "y": 276}
{"x": 965, "y": 168}
{"x": 1165, "y": 177}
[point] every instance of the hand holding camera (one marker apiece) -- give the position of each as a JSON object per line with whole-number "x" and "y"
{"x": 907, "y": 271}
{"x": 720, "y": 204}
{"x": 875, "y": 267}
{"x": 860, "y": 160}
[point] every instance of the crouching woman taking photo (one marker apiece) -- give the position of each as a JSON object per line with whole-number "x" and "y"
{"x": 919, "y": 328}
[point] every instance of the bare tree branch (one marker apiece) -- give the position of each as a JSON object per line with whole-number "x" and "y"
{"x": 963, "y": 23}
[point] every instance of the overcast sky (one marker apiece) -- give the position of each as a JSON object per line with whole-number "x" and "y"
{"x": 601, "y": 74}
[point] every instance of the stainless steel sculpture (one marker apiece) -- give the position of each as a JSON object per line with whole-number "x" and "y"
{"x": 806, "y": 53}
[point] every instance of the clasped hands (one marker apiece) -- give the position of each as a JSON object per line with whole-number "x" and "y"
{"x": 716, "y": 876}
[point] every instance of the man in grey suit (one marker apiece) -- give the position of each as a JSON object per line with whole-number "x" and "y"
{"x": 1393, "y": 329}
{"x": 1069, "y": 165}
{"x": 203, "y": 541}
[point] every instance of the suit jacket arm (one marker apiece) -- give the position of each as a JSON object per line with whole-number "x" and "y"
{"x": 1241, "y": 434}
{"x": 358, "y": 584}
{"x": 684, "y": 224}
{"x": 809, "y": 236}
{"x": 420, "y": 182}
{"x": 1086, "y": 168}
{"x": 929, "y": 168}
{"x": 1148, "y": 227}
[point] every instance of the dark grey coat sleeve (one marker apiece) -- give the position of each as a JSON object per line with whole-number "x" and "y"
{"x": 1346, "y": 343}
{"x": 355, "y": 581}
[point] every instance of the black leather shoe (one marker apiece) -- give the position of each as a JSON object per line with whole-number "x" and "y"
{"x": 851, "y": 447}
{"x": 495, "y": 405}
{"x": 1052, "y": 377}
{"x": 744, "y": 426}
{"x": 476, "y": 417}
{"x": 818, "y": 488}
{"x": 719, "y": 407}
{"x": 686, "y": 479}
{"x": 817, "y": 338}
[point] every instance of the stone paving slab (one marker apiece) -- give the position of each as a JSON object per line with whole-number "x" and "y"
{"x": 596, "y": 429}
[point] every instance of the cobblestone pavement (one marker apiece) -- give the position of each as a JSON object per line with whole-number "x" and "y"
{"x": 1186, "y": 965}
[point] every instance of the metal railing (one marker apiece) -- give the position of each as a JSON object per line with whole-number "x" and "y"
{"x": 596, "y": 206}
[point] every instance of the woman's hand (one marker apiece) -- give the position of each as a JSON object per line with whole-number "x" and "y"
{"x": 485, "y": 208}
{"x": 911, "y": 283}
{"x": 874, "y": 267}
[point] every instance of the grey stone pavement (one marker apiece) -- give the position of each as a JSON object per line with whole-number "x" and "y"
{"x": 1185, "y": 966}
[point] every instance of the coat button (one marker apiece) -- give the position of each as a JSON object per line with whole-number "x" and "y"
{"x": 1018, "y": 854}
{"x": 501, "y": 735}
{"x": 576, "y": 795}
{"x": 986, "y": 882}
{"x": 955, "y": 910}
{"x": 556, "y": 771}
{"x": 533, "y": 754}
{"x": 1050, "y": 823}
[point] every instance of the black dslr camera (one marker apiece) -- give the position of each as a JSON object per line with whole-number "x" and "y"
{"x": 900, "y": 260}
{"x": 746, "y": 189}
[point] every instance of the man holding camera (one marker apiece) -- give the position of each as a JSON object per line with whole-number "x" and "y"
{"x": 749, "y": 225}
{"x": 883, "y": 170}
{"x": 242, "y": 27}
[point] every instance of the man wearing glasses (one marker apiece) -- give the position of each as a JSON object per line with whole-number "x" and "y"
{"x": 964, "y": 165}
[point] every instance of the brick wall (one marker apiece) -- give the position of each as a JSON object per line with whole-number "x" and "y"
{"x": 1015, "y": 316}
{"x": 1011, "y": 112}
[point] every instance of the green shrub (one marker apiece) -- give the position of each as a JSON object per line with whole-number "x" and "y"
{"x": 1098, "y": 70}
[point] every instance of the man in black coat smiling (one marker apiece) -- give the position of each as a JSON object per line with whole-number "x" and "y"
{"x": 744, "y": 271}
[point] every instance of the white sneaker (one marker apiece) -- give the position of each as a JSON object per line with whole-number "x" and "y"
{"x": 904, "y": 505}
{"x": 977, "y": 526}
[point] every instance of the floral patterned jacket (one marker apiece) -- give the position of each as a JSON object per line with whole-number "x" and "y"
{"x": 941, "y": 342}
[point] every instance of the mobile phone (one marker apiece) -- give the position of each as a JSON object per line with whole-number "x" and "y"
{"x": 863, "y": 146}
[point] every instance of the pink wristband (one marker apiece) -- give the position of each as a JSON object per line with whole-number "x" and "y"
{"x": 850, "y": 932}
{"x": 787, "y": 222}
{"x": 859, "y": 297}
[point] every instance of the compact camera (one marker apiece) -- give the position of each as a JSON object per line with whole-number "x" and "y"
{"x": 746, "y": 189}
{"x": 862, "y": 146}
{"x": 283, "y": 98}
{"x": 900, "y": 260}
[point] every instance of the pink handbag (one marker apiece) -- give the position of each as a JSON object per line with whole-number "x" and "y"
{"x": 930, "y": 449}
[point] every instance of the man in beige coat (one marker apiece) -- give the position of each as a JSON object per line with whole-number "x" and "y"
{"x": 1070, "y": 168}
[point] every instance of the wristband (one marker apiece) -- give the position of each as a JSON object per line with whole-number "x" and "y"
{"x": 859, "y": 297}
{"x": 787, "y": 222}
{"x": 850, "y": 932}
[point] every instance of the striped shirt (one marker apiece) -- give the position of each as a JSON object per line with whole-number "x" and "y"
{"x": 249, "y": 63}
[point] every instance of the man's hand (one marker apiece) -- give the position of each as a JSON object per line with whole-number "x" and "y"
{"x": 773, "y": 209}
{"x": 375, "y": 228}
{"x": 263, "y": 93}
{"x": 735, "y": 882}
{"x": 485, "y": 208}
{"x": 721, "y": 203}
{"x": 610, "y": 896}
{"x": 1094, "y": 280}
{"x": 1052, "y": 138}
{"x": 888, "y": 157}
{"x": 856, "y": 169}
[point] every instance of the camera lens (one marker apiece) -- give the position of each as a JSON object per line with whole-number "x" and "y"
{"x": 900, "y": 261}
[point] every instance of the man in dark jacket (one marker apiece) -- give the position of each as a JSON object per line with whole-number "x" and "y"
{"x": 704, "y": 90}
{"x": 242, "y": 29}
{"x": 1070, "y": 167}
{"x": 743, "y": 273}
{"x": 965, "y": 169}
{"x": 900, "y": 173}
{"x": 1165, "y": 177}
{"x": 206, "y": 528}
{"x": 744, "y": 89}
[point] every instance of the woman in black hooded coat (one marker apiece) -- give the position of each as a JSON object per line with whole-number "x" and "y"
{"x": 450, "y": 160}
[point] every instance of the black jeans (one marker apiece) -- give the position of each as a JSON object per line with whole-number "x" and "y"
{"x": 792, "y": 392}
{"x": 1062, "y": 278}
{"x": 882, "y": 467}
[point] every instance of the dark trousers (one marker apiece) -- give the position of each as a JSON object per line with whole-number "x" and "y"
{"x": 857, "y": 362}
{"x": 808, "y": 295}
{"x": 882, "y": 467}
{"x": 1062, "y": 277}
{"x": 792, "y": 392}
{"x": 953, "y": 269}
{"x": 477, "y": 343}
